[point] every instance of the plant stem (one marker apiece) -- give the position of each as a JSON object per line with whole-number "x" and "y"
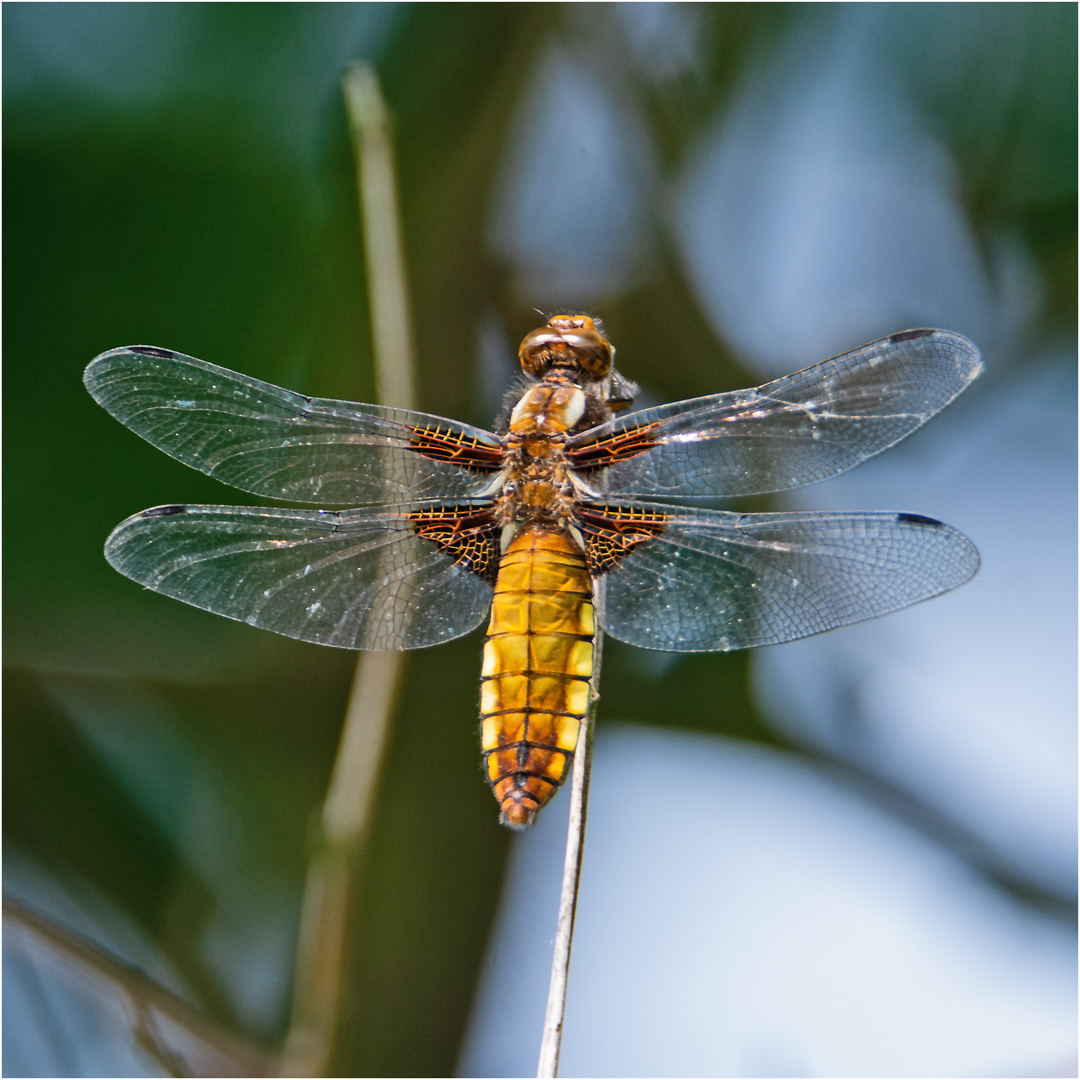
{"x": 551, "y": 1043}
{"x": 330, "y": 890}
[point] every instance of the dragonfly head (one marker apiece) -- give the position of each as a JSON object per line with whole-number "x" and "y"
{"x": 567, "y": 341}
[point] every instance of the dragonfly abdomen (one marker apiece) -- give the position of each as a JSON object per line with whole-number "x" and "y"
{"x": 538, "y": 660}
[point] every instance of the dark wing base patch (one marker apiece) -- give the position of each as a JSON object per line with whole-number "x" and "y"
{"x": 618, "y": 446}
{"x": 612, "y": 532}
{"x": 447, "y": 445}
{"x": 468, "y": 535}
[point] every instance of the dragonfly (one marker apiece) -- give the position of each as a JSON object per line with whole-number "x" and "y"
{"x": 575, "y": 515}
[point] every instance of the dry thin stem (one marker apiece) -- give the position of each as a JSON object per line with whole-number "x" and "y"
{"x": 575, "y": 841}
{"x": 328, "y": 905}
{"x": 388, "y": 294}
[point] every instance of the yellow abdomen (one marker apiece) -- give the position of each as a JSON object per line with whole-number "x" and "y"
{"x": 538, "y": 660}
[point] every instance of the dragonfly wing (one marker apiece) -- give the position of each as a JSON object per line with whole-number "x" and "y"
{"x": 393, "y": 578}
{"x": 276, "y": 443}
{"x": 708, "y": 580}
{"x": 795, "y": 430}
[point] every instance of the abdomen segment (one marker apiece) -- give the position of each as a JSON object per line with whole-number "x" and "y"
{"x": 538, "y": 660}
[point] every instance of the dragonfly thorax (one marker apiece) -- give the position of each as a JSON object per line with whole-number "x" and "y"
{"x": 536, "y": 487}
{"x": 551, "y": 408}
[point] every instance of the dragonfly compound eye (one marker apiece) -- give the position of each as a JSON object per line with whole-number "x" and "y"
{"x": 571, "y": 341}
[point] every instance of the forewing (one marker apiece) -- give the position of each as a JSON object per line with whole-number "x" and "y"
{"x": 394, "y": 578}
{"x": 708, "y": 580}
{"x": 796, "y": 430}
{"x": 273, "y": 442}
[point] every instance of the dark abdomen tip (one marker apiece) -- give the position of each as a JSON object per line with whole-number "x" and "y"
{"x": 517, "y": 815}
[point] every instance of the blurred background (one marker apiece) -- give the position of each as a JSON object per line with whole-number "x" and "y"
{"x": 854, "y": 855}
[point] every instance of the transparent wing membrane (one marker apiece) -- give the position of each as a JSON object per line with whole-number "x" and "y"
{"x": 357, "y": 579}
{"x": 276, "y": 443}
{"x": 416, "y": 566}
{"x": 712, "y": 580}
{"x": 795, "y": 430}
